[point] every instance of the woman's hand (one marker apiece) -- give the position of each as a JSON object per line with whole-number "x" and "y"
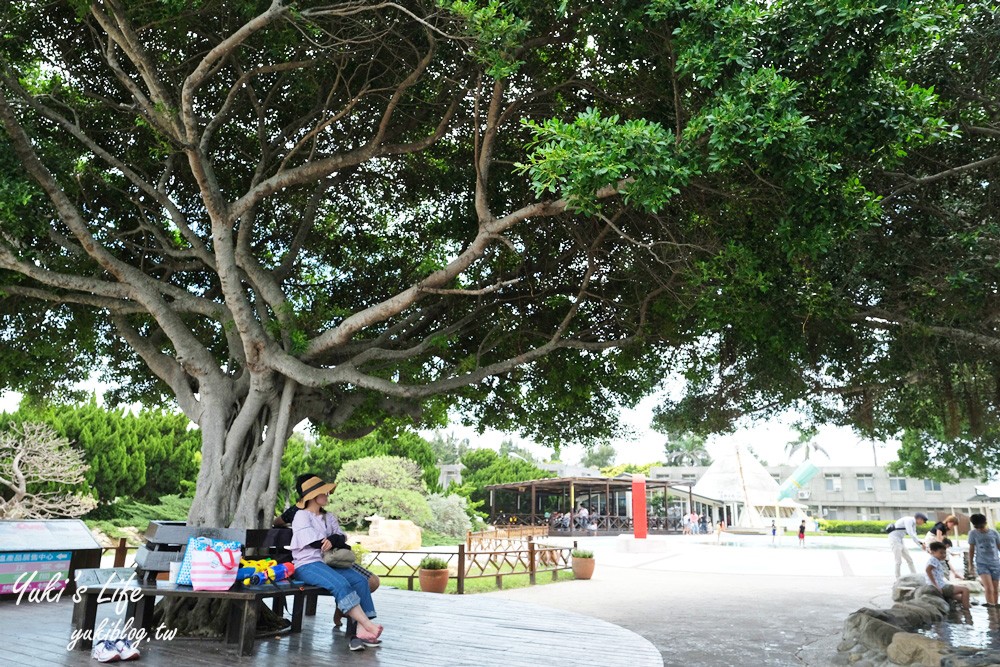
{"x": 325, "y": 546}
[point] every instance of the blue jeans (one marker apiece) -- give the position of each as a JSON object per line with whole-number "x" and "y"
{"x": 349, "y": 588}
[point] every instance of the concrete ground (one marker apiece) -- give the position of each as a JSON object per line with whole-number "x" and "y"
{"x": 742, "y": 602}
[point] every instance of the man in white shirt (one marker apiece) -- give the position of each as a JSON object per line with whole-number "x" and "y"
{"x": 581, "y": 516}
{"x": 898, "y": 532}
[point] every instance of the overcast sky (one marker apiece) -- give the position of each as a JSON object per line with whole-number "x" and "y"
{"x": 767, "y": 439}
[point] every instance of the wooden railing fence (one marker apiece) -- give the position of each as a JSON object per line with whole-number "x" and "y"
{"x": 503, "y": 538}
{"x": 121, "y": 550}
{"x": 531, "y": 559}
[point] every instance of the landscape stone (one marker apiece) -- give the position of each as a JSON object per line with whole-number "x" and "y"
{"x": 877, "y": 634}
{"x": 908, "y": 648}
{"x": 391, "y": 535}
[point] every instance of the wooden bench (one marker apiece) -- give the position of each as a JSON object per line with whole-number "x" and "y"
{"x": 141, "y": 585}
{"x": 120, "y": 585}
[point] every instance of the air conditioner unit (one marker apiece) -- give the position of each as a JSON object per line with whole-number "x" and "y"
{"x": 803, "y": 495}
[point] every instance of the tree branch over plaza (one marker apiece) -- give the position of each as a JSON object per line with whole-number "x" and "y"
{"x": 353, "y": 212}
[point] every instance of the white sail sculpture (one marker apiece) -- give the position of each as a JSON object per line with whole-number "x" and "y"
{"x": 739, "y": 481}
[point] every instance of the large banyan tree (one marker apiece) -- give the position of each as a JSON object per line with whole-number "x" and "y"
{"x": 347, "y": 212}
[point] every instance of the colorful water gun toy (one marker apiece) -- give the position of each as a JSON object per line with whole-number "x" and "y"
{"x": 248, "y": 568}
{"x": 273, "y": 574}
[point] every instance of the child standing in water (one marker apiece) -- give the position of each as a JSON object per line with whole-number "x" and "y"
{"x": 984, "y": 551}
{"x": 802, "y": 533}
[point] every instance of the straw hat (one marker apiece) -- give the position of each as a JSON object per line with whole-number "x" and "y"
{"x": 312, "y": 487}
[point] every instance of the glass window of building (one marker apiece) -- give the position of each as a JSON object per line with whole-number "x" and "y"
{"x": 866, "y": 482}
{"x": 833, "y": 482}
{"x": 932, "y": 485}
{"x": 897, "y": 484}
{"x": 868, "y": 514}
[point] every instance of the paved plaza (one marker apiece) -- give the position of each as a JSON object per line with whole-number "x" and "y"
{"x": 685, "y": 599}
{"x": 742, "y": 602}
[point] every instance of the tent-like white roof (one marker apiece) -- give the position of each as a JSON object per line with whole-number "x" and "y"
{"x": 740, "y": 477}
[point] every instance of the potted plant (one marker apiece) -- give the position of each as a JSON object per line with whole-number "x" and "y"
{"x": 433, "y": 575}
{"x": 583, "y": 564}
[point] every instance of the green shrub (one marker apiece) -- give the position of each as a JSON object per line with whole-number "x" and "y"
{"x": 353, "y": 502}
{"x": 856, "y": 527}
{"x": 449, "y": 515}
{"x": 432, "y": 563}
{"x": 389, "y": 486}
{"x": 360, "y": 552}
{"x": 428, "y": 538}
{"x": 582, "y": 553}
{"x": 129, "y": 512}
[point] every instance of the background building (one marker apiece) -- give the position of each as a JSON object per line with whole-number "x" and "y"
{"x": 860, "y": 493}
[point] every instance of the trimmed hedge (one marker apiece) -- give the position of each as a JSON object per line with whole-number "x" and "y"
{"x": 861, "y": 527}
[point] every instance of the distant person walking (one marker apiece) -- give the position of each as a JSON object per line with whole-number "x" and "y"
{"x": 802, "y": 533}
{"x": 898, "y": 532}
{"x": 720, "y": 531}
{"x": 774, "y": 532}
{"x": 984, "y": 551}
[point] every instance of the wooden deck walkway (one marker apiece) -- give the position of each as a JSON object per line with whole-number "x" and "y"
{"x": 422, "y": 630}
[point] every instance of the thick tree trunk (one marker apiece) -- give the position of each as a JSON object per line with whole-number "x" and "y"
{"x": 243, "y": 439}
{"x": 242, "y": 443}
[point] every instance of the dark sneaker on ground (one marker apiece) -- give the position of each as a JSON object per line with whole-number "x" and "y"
{"x": 356, "y": 644}
{"x": 105, "y": 651}
{"x": 126, "y": 651}
{"x": 371, "y": 642}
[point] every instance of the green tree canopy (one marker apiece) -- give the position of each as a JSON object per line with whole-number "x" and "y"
{"x": 325, "y": 456}
{"x": 448, "y": 448}
{"x": 273, "y": 212}
{"x": 484, "y": 467}
{"x": 884, "y": 321}
{"x": 805, "y": 442}
{"x": 642, "y": 469}
{"x": 143, "y": 456}
{"x": 685, "y": 449}
{"x": 389, "y": 486}
{"x": 600, "y": 456}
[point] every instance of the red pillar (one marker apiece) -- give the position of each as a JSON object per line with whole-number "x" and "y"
{"x": 639, "y": 506}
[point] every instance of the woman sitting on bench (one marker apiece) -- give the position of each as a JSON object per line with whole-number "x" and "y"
{"x": 312, "y": 531}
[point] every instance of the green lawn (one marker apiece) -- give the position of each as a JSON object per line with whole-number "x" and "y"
{"x": 480, "y": 585}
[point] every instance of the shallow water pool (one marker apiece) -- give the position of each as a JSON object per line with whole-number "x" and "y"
{"x": 979, "y": 629}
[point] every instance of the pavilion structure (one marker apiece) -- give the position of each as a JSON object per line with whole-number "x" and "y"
{"x": 556, "y": 501}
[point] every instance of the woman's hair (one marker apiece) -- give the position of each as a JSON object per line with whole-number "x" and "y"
{"x": 951, "y": 518}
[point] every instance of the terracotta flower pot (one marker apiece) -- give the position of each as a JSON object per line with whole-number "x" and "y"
{"x": 433, "y": 581}
{"x": 583, "y": 568}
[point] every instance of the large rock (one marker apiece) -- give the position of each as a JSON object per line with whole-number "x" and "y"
{"x": 391, "y": 535}
{"x": 930, "y": 597}
{"x": 875, "y": 633}
{"x": 968, "y": 657}
{"x": 905, "y": 586}
{"x": 917, "y": 613}
{"x": 974, "y": 586}
{"x": 908, "y": 648}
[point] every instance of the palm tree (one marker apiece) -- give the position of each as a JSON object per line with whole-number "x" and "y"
{"x": 686, "y": 449}
{"x": 804, "y": 442}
